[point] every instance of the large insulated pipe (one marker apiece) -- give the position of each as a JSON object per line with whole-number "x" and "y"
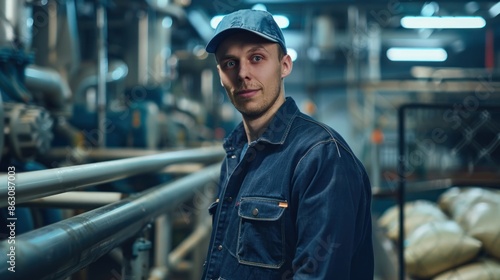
{"x": 77, "y": 200}
{"x": 61, "y": 249}
{"x": 37, "y": 184}
{"x": 14, "y": 26}
{"x": 117, "y": 71}
{"x": 74, "y": 40}
{"x": 9, "y": 10}
{"x": 56, "y": 90}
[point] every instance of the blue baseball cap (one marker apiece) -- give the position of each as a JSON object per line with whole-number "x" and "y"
{"x": 259, "y": 22}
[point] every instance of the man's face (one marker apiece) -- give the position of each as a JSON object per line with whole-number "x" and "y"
{"x": 251, "y": 71}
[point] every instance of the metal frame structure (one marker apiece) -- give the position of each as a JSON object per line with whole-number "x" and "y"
{"x": 404, "y": 186}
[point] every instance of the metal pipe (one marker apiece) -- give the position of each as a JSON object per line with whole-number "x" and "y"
{"x": 166, "y": 7}
{"x": 401, "y": 190}
{"x": 74, "y": 39}
{"x": 102, "y": 70}
{"x": 143, "y": 48}
{"x": 56, "y": 90}
{"x": 60, "y": 249}
{"x": 98, "y": 155}
{"x": 176, "y": 257}
{"x": 158, "y": 273}
{"x": 77, "y": 200}
{"x": 104, "y": 154}
{"x": 10, "y": 11}
{"x": 117, "y": 71}
{"x": 163, "y": 239}
{"x": 42, "y": 183}
{"x": 135, "y": 264}
{"x": 2, "y": 127}
{"x": 188, "y": 244}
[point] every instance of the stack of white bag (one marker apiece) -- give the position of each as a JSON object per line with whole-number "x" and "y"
{"x": 477, "y": 210}
{"x": 417, "y": 213}
{"x": 439, "y": 245}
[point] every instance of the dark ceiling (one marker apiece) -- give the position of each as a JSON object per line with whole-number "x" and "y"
{"x": 466, "y": 44}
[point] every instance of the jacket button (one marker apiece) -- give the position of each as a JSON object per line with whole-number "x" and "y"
{"x": 229, "y": 199}
{"x": 255, "y": 212}
{"x": 219, "y": 247}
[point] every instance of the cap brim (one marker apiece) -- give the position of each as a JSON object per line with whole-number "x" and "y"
{"x": 217, "y": 39}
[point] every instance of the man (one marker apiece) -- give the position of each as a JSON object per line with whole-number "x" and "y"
{"x": 293, "y": 200}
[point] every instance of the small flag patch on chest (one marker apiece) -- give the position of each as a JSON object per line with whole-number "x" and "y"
{"x": 283, "y": 204}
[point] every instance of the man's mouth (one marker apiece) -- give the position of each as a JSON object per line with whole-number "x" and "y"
{"x": 247, "y": 93}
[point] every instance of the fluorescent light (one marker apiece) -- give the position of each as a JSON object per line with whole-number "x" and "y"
{"x": 443, "y": 22}
{"x": 260, "y": 7}
{"x": 215, "y": 21}
{"x": 167, "y": 22}
{"x": 429, "y": 9}
{"x": 282, "y": 21}
{"x": 417, "y": 54}
{"x": 292, "y": 53}
{"x": 494, "y": 10}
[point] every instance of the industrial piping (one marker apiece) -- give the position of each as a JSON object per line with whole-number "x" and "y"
{"x": 37, "y": 184}
{"x": 56, "y": 89}
{"x": 61, "y": 249}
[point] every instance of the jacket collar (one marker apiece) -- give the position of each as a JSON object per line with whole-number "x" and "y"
{"x": 276, "y": 132}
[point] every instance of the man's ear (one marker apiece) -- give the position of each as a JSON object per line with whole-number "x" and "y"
{"x": 286, "y": 65}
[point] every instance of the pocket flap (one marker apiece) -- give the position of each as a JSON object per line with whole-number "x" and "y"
{"x": 261, "y": 208}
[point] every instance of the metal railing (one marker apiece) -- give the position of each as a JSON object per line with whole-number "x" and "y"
{"x": 36, "y": 184}
{"x": 63, "y": 248}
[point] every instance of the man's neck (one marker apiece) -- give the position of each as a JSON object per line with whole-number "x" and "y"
{"x": 255, "y": 127}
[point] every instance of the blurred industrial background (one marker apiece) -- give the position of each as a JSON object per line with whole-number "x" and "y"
{"x": 113, "y": 119}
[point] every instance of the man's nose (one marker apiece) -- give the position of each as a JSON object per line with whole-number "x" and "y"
{"x": 244, "y": 70}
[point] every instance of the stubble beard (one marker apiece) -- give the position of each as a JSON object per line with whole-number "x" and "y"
{"x": 266, "y": 102}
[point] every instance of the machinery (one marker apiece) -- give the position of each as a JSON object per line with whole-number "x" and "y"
{"x": 99, "y": 74}
{"x": 84, "y": 81}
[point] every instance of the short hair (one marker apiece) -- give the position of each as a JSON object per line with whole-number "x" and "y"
{"x": 281, "y": 52}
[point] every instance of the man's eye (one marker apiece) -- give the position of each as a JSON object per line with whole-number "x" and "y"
{"x": 230, "y": 64}
{"x": 257, "y": 58}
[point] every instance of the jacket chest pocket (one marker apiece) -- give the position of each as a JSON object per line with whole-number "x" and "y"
{"x": 261, "y": 232}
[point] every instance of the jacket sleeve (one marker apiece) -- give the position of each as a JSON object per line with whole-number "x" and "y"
{"x": 332, "y": 195}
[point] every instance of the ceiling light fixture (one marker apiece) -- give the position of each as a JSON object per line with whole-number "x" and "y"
{"x": 215, "y": 21}
{"x": 282, "y": 21}
{"x": 494, "y": 10}
{"x": 429, "y": 9}
{"x": 417, "y": 54}
{"x": 412, "y": 22}
{"x": 260, "y": 7}
{"x": 293, "y": 53}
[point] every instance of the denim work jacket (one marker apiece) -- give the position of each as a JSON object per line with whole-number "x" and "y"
{"x": 296, "y": 205}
